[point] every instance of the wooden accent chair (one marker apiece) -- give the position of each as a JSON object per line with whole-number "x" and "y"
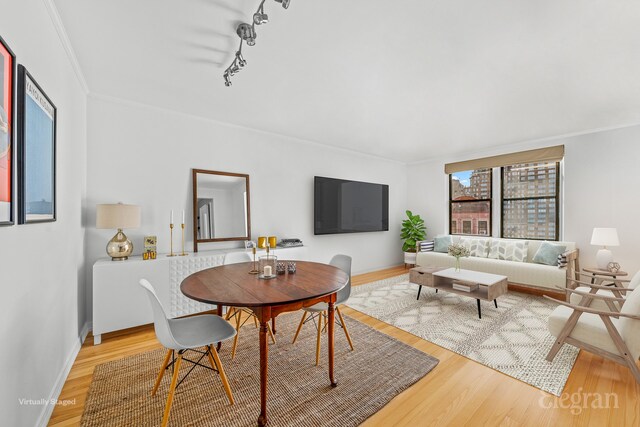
{"x": 187, "y": 334}
{"x": 318, "y": 312}
{"x": 610, "y": 329}
{"x": 594, "y": 284}
{"x": 241, "y": 315}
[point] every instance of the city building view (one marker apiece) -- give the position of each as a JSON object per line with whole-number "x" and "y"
{"x": 529, "y": 201}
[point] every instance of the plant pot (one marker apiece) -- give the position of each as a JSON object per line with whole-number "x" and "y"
{"x": 410, "y": 258}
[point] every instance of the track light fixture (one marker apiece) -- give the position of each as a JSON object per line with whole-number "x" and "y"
{"x": 247, "y": 34}
{"x": 260, "y": 17}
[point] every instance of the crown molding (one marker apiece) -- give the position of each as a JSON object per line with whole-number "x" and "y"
{"x": 137, "y": 104}
{"x": 520, "y": 145}
{"x": 66, "y": 42}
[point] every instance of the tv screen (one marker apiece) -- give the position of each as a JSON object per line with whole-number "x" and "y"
{"x": 342, "y": 206}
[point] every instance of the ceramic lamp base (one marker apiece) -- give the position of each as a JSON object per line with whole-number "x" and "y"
{"x": 603, "y": 258}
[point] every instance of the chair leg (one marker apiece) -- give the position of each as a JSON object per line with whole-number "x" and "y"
{"x": 324, "y": 320}
{"x": 318, "y": 339}
{"x": 255, "y": 321}
{"x": 295, "y": 337}
{"x": 344, "y": 327}
{"x": 230, "y": 313}
{"x": 622, "y": 347}
{"x": 564, "y": 333}
{"x": 218, "y": 365}
{"x": 161, "y": 373}
{"x": 235, "y": 339}
{"x": 172, "y": 389}
{"x": 273, "y": 338}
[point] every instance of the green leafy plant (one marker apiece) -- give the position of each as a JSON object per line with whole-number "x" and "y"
{"x": 413, "y": 230}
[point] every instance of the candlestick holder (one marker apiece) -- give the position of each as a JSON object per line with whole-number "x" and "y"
{"x": 171, "y": 253}
{"x": 255, "y": 266}
{"x": 183, "y": 252}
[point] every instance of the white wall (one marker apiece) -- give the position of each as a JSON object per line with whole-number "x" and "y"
{"x": 41, "y": 265}
{"x": 601, "y": 177}
{"x": 144, "y": 155}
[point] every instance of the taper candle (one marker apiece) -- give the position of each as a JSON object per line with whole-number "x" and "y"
{"x": 183, "y": 216}
{"x": 171, "y": 219}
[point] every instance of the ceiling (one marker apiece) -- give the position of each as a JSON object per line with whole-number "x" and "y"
{"x": 406, "y": 80}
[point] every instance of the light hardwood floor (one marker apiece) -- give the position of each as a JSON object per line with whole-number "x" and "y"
{"x": 457, "y": 392}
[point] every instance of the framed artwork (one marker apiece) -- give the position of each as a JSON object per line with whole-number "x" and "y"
{"x": 36, "y": 152}
{"x": 7, "y": 73}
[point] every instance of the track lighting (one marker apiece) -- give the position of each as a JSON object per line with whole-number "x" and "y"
{"x": 241, "y": 61}
{"x": 247, "y": 34}
{"x": 285, "y": 3}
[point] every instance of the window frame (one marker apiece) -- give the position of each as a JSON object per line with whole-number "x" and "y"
{"x": 490, "y": 200}
{"x": 556, "y": 197}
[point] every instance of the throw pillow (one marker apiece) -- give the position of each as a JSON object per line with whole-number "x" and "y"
{"x": 476, "y": 247}
{"x": 441, "y": 244}
{"x": 548, "y": 253}
{"x": 509, "y": 250}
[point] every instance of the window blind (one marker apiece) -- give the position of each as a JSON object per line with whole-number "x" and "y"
{"x": 540, "y": 155}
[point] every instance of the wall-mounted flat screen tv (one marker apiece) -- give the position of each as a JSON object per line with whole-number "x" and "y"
{"x": 342, "y": 206}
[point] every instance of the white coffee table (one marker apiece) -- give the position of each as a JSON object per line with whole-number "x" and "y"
{"x": 484, "y": 286}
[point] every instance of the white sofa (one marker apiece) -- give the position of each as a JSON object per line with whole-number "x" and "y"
{"x": 527, "y": 274}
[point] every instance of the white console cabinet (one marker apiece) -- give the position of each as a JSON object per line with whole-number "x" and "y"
{"x": 120, "y": 303}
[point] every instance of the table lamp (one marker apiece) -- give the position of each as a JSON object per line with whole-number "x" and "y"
{"x": 604, "y": 237}
{"x": 118, "y": 216}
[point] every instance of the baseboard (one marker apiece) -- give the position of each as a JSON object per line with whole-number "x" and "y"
{"x": 536, "y": 291}
{"x": 371, "y": 270}
{"x": 47, "y": 410}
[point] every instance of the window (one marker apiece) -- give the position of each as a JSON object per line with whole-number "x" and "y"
{"x": 530, "y": 201}
{"x": 470, "y": 202}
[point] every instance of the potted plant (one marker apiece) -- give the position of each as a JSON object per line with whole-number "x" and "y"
{"x": 413, "y": 230}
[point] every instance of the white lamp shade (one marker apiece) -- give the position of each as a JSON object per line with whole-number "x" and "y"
{"x": 605, "y": 237}
{"x": 117, "y": 216}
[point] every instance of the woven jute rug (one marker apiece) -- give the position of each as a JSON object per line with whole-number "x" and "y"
{"x": 513, "y": 338}
{"x": 299, "y": 392}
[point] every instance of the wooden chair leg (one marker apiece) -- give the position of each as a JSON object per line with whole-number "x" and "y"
{"x": 566, "y": 331}
{"x": 344, "y": 327}
{"x": 318, "y": 339}
{"x": 235, "y": 339}
{"x": 273, "y": 338}
{"x": 161, "y": 373}
{"x": 172, "y": 389}
{"x": 324, "y": 318}
{"x": 295, "y": 337}
{"x": 622, "y": 347}
{"x": 218, "y": 365}
{"x": 255, "y": 321}
{"x": 230, "y": 313}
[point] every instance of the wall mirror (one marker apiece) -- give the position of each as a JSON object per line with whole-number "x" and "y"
{"x": 220, "y": 207}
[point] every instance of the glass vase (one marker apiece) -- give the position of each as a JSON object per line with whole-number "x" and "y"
{"x": 457, "y": 266}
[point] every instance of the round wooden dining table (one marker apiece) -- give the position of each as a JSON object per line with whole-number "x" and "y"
{"x": 232, "y": 285}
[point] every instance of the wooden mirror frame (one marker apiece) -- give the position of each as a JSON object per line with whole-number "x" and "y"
{"x": 194, "y": 175}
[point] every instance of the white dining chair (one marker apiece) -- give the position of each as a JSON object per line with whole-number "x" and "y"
{"x": 236, "y": 313}
{"x": 187, "y": 334}
{"x": 318, "y": 312}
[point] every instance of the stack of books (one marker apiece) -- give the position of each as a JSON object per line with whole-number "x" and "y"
{"x": 465, "y": 287}
{"x": 426, "y": 246}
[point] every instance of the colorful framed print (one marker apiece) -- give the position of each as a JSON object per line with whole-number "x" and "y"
{"x": 36, "y": 152}
{"x": 7, "y": 73}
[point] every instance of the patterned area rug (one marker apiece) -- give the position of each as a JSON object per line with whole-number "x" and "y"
{"x": 512, "y": 338}
{"x": 377, "y": 370}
